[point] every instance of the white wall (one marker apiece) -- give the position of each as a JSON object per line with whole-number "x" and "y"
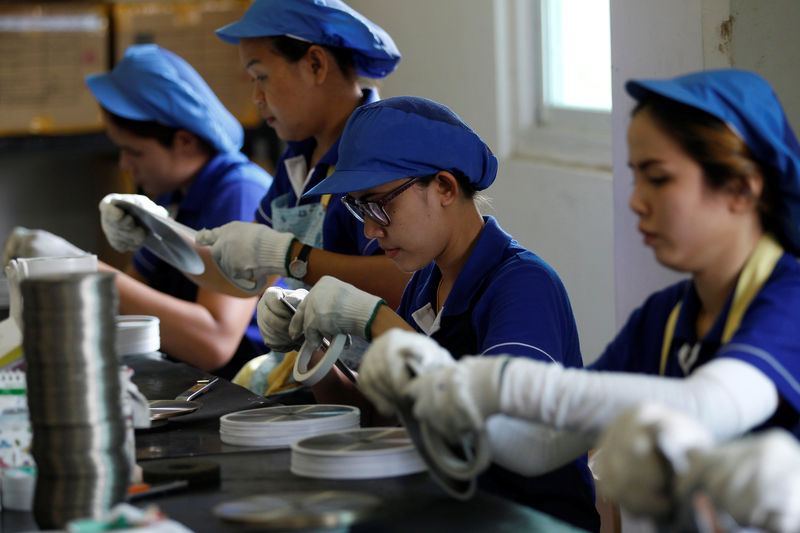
{"x": 450, "y": 50}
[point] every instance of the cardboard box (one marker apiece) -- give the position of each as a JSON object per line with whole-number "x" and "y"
{"x": 46, "y": 51}
{"x": 187, "y": 29}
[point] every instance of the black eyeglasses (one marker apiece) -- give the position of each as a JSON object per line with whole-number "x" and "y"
{"x": 374, "y": 209}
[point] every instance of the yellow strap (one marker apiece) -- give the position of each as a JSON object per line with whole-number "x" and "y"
{"x": 756, "y": 271}
{"x": 278, "y": 378}
{"x": 669, "y": 331}
{"x": 326, "y": 198}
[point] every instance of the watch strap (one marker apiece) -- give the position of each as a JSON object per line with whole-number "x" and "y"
{"x": 305, "y": 251}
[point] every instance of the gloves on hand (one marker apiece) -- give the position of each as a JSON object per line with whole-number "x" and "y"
{"x": 246, "y": 252}
{"x": 274, "y": 318}
{"x": 458, "y": 399}
{"x": 331, "y": 307}
{"x": 756, "y": 479}
{"x": 392, "y": 361}
{"x": 640, "y": 454}
{"x": 122, "y": 230}
{"x": 23, "y": 242}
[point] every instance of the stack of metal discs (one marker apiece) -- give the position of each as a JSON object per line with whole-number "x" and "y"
{"x": 357, "y": 454}
{"x": 280, "y": 426}
{"x": 74, "y": 396}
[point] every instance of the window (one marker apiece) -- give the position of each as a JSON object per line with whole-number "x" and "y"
{"x": 561, "y": 74}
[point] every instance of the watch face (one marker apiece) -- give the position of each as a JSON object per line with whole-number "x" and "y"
{"x": 298, "y": 269}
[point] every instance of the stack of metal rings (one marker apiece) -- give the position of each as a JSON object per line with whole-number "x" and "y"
{"x": 74, "y": 396}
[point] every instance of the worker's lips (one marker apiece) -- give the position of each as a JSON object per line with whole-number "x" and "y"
{"x": 391, "y": 253}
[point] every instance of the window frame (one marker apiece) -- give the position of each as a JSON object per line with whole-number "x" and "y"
{"x": 557, "y": 134}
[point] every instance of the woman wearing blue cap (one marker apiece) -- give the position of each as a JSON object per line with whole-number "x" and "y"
{"x": 412, "y": 170}
{"x": 181, "y": 146}
{"x": 717, "y": 194}
{"x": 305, "y": 58}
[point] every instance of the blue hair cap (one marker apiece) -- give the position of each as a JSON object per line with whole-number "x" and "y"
{"x": 326, "y": 22}
{"x": 749, "y": 106}
{"x": 151, "y": 83}
{"x": 403, "y": 137}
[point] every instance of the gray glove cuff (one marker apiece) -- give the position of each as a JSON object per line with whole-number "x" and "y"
{"x": 271, "y": 253}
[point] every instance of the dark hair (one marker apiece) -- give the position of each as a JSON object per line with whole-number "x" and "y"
{"x": 723, "y": 155}
{"x": 466, "y": 186}
{"x": 294, "y": 49}
{"x": 165, "y": 135}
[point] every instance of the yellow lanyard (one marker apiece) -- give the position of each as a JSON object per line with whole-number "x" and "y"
{"x": 326, "y": 198}
{"x": 756, "y": 271}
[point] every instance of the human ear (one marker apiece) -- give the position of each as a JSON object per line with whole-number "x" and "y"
{"x": 183, "y": 139}
{"x": 318, "y": 61}
{"x": 747, "y": 191}
{"x": 446, "y": 186}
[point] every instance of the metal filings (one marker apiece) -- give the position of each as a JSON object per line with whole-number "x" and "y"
{"x": 74, "y": 396}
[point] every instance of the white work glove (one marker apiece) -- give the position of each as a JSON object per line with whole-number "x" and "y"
{"x": 756, "y": 479}
{"x": 246, "y": 252}
{"x": 456, "y": 400}
{"x": 274, "y": 317}
{"x": 392, "y": 361}
{"x": 332, "y": 307}
{"x": 23, "y": 242}
{"x": 122, "y": 230}
{"x": 640, "y": 454}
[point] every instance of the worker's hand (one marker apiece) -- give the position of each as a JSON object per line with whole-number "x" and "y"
{"x": 123, "y": 231}
{"x": 642, "y": 452}
{"x": 392, "y": 361}
{"x": 274, "y": 317}
{"x": 247, "y": 252}
{"x": 333, "y": 307}
{"x": 756, "y": 479}
{"x": 23, "y": 242}
{"x": 457, "y": 399}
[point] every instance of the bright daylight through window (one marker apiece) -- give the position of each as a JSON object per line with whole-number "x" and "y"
{"x": 576, "y": 54}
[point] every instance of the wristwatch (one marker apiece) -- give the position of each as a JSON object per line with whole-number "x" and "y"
{"x": 298, "y": 268}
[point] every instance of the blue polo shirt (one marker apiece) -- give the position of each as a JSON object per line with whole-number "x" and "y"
{"x": 507, "y": 300}
{"x": 228, "y": 188}
{"x": 768, "y": 337}
{"x": 342, "y": 233}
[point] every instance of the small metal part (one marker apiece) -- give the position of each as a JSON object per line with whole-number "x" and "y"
{"x": 201, "y": 386}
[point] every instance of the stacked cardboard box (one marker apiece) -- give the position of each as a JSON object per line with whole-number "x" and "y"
{"x": 46, "y": 51}
{"x": 187, "y": 28}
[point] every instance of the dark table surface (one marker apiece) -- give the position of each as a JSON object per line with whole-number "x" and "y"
{"x": 408, "y": 503}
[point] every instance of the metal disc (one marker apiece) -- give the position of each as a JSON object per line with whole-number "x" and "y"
{"x": 310, "y": 376}
{"x": 461, "y": 489}
{"x": 166, "y": 238}
{"x": 358, "y": 441}
{"x": 169, "y": 408}
{"x": 299, "y": 510}
{"x": 289, "y": 413}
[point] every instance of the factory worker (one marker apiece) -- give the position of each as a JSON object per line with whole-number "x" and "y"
{"x": 660, "y": 463}
{"x": 181, "y": 147}
{"x": 717, "y": 193}
{"x": 411, "y": 170}
{"x": 305, "y": 59}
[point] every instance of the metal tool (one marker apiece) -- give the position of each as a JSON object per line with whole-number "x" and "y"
{"x": 325, "y": 346}
{"x": 183, "y": 403}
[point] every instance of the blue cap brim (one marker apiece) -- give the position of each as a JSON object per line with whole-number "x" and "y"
{"x": 344, "y": 181}
{"x": 110, "y": 97}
